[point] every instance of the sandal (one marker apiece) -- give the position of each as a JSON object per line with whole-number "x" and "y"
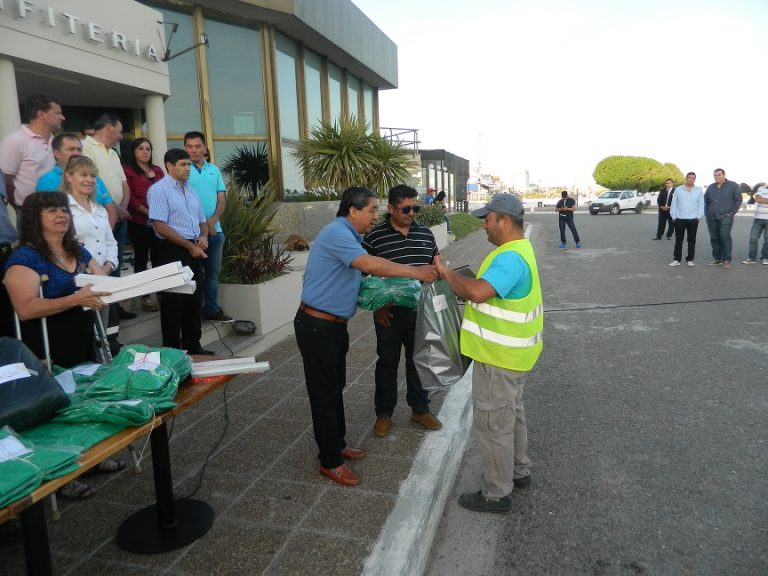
{"x": 77, "y": 490}
{"x": 107, "y": 466}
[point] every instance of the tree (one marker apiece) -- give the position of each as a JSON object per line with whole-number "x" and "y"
{"x": 635, "y": 173}
{"x": 344, "y": 154}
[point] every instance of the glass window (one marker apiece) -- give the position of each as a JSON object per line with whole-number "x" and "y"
{"x": 368, "y": 104}
{"x": 288, "y": 101}
{"x": 353, "y": 89}
{"x": 182, "y": 108}
{"x": 292, "y": 177}
{"x": 313, "y": 69}
{"x": 334, "y": 92}
{"x": 236, "y": 87}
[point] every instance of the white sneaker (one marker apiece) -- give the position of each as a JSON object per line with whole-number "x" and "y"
{"x": 749, "y": 261}
{"x": 691, "y": 264}
{"x": 765, "y": 261}
{"x": 675, "y": 263}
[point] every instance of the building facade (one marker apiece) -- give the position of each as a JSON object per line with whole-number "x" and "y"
{"x": 243, "y": 72}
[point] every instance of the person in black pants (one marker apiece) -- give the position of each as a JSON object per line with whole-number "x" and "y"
{"x": 565, "y": 207}
{"x": 177, "y": 217}
{"x": 403, "y": 240}
{"x": 664, "y": 202}
{"x": 687, "y": 209}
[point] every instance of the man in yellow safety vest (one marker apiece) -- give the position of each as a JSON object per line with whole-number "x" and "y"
{"x": 502, "y": 333}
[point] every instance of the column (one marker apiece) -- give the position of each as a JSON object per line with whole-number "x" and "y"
{"x": 9, "y": 99}
{"x": 155, "y": 110}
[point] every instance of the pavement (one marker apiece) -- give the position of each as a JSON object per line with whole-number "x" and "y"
{"x": 248, "y": 450}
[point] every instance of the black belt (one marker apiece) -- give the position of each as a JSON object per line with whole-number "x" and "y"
{"x": 309, "y": 311}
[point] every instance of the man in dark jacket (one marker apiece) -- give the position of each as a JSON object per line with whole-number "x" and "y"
{"x": 722, "y": 201}
{"x": 664, "y": 201}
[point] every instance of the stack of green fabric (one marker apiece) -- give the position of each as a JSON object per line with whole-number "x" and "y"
{"x": 376, "y": 292}
{"x": 173, "y": 358}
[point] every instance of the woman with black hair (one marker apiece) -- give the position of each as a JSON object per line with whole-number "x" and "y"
{"x": 49, "y": 248}
{"x": 141, "y": 174}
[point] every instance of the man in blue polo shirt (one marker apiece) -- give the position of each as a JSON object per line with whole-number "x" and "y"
{"x": 66, "y": 145}
{"x": 205, "y": 179}
{"x": 328, "y": 300}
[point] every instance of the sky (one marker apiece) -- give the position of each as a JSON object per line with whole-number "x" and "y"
{"x": 554, "y": 86}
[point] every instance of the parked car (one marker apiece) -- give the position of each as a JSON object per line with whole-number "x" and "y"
{"x": 616, "y": 201}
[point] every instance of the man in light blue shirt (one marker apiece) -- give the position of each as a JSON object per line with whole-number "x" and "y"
{"x": 66, "y": 145}
{"x": 205, "y": 179}
{"x": 177, "y": 217}
{"x": 686, "y": 210}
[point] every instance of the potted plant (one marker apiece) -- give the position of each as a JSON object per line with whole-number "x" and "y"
{"x": 256, "y": 281}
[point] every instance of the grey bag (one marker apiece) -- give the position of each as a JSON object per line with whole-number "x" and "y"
{"x": 437, "y": 353}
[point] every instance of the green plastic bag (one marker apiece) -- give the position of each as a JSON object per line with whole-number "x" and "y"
{"x": 173, "y": 358}
{"x": 67, "y": 435}
{"x": 376, "y": 292}
{"x": 123, "y": 412}
{"x": 157, "y": 384}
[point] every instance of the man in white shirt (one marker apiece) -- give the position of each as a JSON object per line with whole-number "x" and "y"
{"x": 687, "y": 209}
{"x": 759, "y": 227}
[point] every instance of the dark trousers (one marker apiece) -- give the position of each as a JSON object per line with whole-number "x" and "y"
{"x": 686, "y": 228}
{"x": 323, "y": 346}
{"x": 389, "y": 342}
{"x": 144, "y": 244}
{"x": 665, "y": 221}
{"x": 180, "y": 313}
{"x": 567, "y": 221}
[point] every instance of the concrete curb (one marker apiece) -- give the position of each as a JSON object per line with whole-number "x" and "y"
{"x": 405, "y": 541}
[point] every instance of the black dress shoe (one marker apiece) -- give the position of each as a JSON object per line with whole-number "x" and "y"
{"x": 657, "y": 238}
{"x": 124, "y": 314}
{"x": 201, "y": 352}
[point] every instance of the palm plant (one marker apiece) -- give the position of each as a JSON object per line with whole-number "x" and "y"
{"x": 247, "y": 168}
{"x": 344, "y": 154}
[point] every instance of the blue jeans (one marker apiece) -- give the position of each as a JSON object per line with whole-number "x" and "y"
{"x": 759, "y": 228}
{"x": 720, "y": 236}
{"x": 212, "y": 268}
{"x": 120, "y": 231}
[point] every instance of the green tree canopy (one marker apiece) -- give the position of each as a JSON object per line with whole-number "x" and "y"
{"x": 635, "y": 173}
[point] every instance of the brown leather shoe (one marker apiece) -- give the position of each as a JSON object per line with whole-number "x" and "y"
{"x": 427, "y": 420}
{"x": 342, "y": 475}
{"x": 353, "y": 453}
{"x": 382, "y": 426}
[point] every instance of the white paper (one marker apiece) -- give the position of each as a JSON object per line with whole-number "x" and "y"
{"x": 86, "y": 369}
{"x": 11, "y": 448}
{"x": 11, "y": 372}
{"x": 439, "y": 302}
{"x": 152, "y": 357}
{"x": 67, "y": 381}
{"x": 128, "y": 402}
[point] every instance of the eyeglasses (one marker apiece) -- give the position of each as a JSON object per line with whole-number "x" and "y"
{"x": 407, "y": 209}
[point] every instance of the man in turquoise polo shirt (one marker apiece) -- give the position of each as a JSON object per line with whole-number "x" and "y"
{"x": 501, "y": 332}
{"x": 205, "y": 179}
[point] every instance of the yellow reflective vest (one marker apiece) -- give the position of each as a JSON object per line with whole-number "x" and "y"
{"x": 501, "y": 332}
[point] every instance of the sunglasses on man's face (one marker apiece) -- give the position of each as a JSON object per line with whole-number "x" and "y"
{"x": 407, "y": 209}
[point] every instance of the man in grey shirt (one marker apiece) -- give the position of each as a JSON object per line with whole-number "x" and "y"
{"x": 722, "y": 201}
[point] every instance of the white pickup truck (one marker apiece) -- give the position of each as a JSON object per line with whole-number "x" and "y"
{"x": 616, "y": 201}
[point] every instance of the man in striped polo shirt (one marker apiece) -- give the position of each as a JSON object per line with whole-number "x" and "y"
{"x": 399, "y": 239}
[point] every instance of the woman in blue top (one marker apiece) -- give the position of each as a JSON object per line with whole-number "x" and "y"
{"x": 49, "y": 247}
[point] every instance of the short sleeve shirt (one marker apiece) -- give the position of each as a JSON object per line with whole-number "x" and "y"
{"x": 207, "y": 182}
{"x": 330, "y": 283}
{"x": 108, "y": 163}
{"x": 26, "y": 156}
{"x": 51, "y": 181}
{"x": 509, "y": 275}
{"x": 60, "y": 282}
{"x": 177, "y": 205}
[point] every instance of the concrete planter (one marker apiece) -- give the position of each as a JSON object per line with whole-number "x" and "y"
{"x": 270, "y": 305}
{"x": 441, "y": 235}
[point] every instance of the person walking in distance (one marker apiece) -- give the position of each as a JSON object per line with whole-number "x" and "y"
{"x": 664, "y": 202}
{"x": 759, "y": 227}
{"x": 686, "y": 209}
{"x": 502, "y": 332}
{"x": 565, "y": 208}
{"x": 722, "y": 201}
